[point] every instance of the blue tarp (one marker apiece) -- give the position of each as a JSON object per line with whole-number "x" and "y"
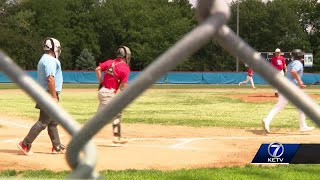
{"x": 227, "y": 78}
{"x": 171, "y": 77}
{"x": 184, "y": 78}
{"x": 135, "y": 74}
{"x": 310, "y": 78}
{"x": 4, "y": 78}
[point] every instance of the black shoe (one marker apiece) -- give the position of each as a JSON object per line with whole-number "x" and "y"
{"x": 58, "y": 149}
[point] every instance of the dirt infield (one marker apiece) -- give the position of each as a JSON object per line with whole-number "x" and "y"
{"x": 150, "y": 147}
{"x": 262, "y": 97}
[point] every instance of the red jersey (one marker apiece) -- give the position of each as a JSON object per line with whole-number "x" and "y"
{"x": 250, "y": 72}
{"x": 278, "y": 62}
{"x": 121, "y": 71}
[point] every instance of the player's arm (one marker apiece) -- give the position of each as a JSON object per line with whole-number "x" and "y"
{"x": 99, "y": 76}
{"x": 50, "y": 71}
{"x": 296, "y": 76}
{"x": 52, "y": 87}
{"x": 284, "y": 65}
{"x": 124, "y": 77}
{"x": 122, "y": 86}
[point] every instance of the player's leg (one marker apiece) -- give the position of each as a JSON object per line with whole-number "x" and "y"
{"x": 35, "y": 130}
{"x": 302, "y": 122}
{"x": 242, "y": 82}
{"x": 104, "y": 96}
{"x": 54, "y": 137}
{"x": 116, "y": 125}
{"x": 245, "y": 81}
{"x": 252, "y": 82}
{"x": 282, "y": 102}
{"x": 276, "y": 91}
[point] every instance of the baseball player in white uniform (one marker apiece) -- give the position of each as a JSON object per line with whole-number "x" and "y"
{"x": 294, "y": 74}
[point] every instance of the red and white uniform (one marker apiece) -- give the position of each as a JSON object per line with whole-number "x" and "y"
{"x": 278, "y": 62}
{"x": 250, "y": 72}
{"x": 121, "y": 71}
{"x": 249, "y": 78}
{"x": 111, "y": 84}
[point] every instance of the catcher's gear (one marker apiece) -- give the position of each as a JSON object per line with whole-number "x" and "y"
{"x": 110, "y": 70}
{"x": 124, "y": 52}
{"x": 297, "y": 54}
{"x": 53, "y": 45}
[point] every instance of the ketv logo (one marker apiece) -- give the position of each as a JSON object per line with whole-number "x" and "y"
{"x": 275, "y": 153}
{"x": 275, "y": 150}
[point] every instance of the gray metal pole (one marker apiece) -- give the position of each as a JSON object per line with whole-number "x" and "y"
{"x": 16, "y": 74}
{"x": 237, "y": 47}
{"x": 189, "y": 44}
{"x": 238, "y": 9}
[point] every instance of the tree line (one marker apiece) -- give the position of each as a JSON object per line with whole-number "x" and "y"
{"x": 91, "y": 30}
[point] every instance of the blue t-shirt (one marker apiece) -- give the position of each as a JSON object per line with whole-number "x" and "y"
{"x": 50, "y": 66}
{"x": 297, "y": 66}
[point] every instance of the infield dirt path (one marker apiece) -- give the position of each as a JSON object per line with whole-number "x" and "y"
{"x": 150, "y": 147}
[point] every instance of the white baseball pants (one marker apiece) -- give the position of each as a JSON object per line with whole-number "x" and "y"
{"x": 282, "y": 102}
{"x": 249, "y": 78}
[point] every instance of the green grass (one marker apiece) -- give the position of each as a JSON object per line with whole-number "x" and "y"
{"x": 156, "y": 86}
{"x": 187, "y": 107}
{"x": 248, "y": 172}
{"x": 65, "y": 86}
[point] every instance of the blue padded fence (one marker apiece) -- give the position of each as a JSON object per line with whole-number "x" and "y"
{"x": 171, "y": 77}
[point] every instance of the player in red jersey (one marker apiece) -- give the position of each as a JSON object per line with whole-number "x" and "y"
{"x": 116, "y": 74}
{"x": 279, "y": 62}
{"x": 249, "y": 78}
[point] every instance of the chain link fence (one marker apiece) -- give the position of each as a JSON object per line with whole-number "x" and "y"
{"x": 212, "y": 15}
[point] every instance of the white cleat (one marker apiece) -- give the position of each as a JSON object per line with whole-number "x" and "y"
{"x": 306, "y": 128}
{"x": 266, "y": 127}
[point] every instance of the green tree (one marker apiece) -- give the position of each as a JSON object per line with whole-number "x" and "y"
{"x": 147, "y": 27}
{"x": 85, "y": 61}
{"x": 309, "y": 11}
{"x": 285, "y": 25}
{"x": 16, "y": 36}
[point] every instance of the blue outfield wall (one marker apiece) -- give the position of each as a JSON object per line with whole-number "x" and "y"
{"x": 171, "y": 77}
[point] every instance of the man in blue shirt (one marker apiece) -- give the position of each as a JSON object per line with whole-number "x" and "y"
{"x": 294, "y": 73}
{"x": 50, "y": 78}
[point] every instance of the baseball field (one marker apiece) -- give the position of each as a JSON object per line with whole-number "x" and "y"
{"x": 174, "y": 132}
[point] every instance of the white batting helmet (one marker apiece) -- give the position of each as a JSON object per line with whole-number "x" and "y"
{"x": 53, "y": 45}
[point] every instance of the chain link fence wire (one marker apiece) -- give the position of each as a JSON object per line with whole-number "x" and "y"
{"x": 212, "y": 16}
